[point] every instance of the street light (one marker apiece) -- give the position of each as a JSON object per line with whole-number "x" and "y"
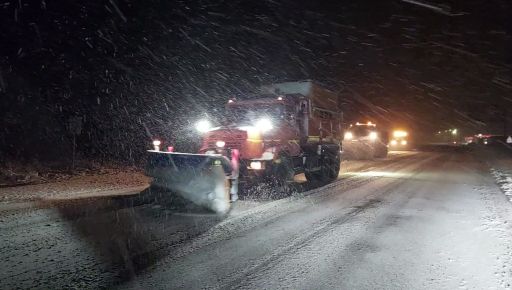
{"x": 454, "y": 132}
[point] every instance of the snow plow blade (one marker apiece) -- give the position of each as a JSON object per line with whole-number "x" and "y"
{"x": 199, "y": 178}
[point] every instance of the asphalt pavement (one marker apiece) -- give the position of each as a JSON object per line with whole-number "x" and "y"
{"x": 415, "y": 220}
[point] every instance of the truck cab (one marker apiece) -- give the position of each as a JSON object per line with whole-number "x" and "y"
{"x": 271, "y": 134}
{"x": 365, "y": 141}
{"x": 399, "y": 140}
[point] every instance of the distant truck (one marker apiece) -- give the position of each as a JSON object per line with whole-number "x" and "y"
{"x": 399, "y": 140}
{"x": 285, "y": 129}
{"x": 365, "y": 141}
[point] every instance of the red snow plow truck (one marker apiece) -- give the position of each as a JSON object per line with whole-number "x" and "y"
{"x": 286, "y": 129}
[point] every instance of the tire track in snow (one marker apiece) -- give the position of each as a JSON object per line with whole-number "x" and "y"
{"x": 268, "y": 214}
{"x": 369, "y": 202}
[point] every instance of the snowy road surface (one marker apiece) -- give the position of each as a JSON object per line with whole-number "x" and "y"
{"x": 430, "y": 220}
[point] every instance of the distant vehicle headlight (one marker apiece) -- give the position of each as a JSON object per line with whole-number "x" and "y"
{"x": 264, "y": 125}
{"x": 220, "y": 144}
{"x": 404, "y": 142}
{"x": 348, "y": 136}
{"x": 373, "y": 136}
{"x": 203, "y": 126}
{"x": 394, "y": 142}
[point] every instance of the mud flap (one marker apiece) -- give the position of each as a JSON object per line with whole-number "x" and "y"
{"x": 201, "y": 179}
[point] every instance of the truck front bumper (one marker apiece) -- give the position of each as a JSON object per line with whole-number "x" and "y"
{"x": 256, "y": 169}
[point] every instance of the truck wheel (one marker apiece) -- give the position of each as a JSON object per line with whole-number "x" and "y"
{"x": 331, "y": 167}
{"x": 283, "y": 173}
{"x": 329, "y": 171}
{"x": 335, "y": 167}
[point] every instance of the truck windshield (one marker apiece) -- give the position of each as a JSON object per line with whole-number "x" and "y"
{"x": 245, "y": 115}
{"x": 362, "y": 131}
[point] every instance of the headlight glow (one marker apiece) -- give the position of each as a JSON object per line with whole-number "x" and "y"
{"x": 256, "y": 165}
{"x": 399, "y": 134}
{"x": 220, "y": 144}
{"x": 394, "y": 142}
{"x": 348, "y": 136}
{"x": 264, "y": 125}
{"x": 373, "y": 135}
{"x": 404, "y": 142}
{"x": 203, "y": 126}
{"x": 156, "y": 145}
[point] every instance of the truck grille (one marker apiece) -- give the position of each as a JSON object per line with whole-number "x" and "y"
{"x": 234, "y": 139}
{"x": 229, "y": 145}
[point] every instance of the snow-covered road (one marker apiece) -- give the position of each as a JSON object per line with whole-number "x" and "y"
{"x": 413, "y": 221}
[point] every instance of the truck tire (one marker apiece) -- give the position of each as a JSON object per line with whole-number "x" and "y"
{"x": 335, "y": 169}
{"x": 283, "y": 174}
{"x": 329, "y": 171}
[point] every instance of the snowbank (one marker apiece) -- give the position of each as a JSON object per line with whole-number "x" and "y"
{"x": 504, "y": 180}
{"x": 499, "y": 162}
{"x": 105, "y": 182}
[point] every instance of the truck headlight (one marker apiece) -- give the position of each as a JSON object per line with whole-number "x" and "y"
{"x": 203, "y": 126}
{"x": 373, "y": 136}
{"x": 256, "y": 165}
{"x": 264, "y": 125}
{"x": 348, "y": 136}
{"x": 156, "y": 144}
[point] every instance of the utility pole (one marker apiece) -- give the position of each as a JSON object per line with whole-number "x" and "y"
{"x": 505, "y": 122}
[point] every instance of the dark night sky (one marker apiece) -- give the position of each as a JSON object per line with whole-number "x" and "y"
{"x": 131, "y": 69}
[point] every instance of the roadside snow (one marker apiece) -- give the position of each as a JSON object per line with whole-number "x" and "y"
{"x": 504, "y": 180}
{"x": 116, "y": 181}
{"x": 499, "y": 164}
{"x": 111, "y": 183}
